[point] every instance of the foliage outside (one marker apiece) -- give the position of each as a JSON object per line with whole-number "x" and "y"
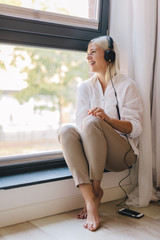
{"x": 51, "y": 78}
{"x": 51, "y": 74}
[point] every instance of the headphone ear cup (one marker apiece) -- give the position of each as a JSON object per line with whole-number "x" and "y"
{"x": 109, "y": 56}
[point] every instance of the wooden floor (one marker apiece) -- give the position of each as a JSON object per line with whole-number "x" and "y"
{"x": 66, "y": 227}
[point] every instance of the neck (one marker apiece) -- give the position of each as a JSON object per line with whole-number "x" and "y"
{"x": 103, "y": 82}
{"x": 103, "y": 78}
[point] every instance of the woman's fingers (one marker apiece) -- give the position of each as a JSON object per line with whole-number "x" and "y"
{"x": 97, "y": 111}
{"x": 92, "y": 111}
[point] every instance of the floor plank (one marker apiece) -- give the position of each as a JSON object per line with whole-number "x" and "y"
{"x": 24, "y": 231}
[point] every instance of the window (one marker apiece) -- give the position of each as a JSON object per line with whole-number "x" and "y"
{"x": 43, "y": 58}
{"x": 83, "y": 9}
{"x": 73, "y": 13}
{"x": 38, "y": 93}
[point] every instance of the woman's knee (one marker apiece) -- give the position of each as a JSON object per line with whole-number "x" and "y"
{"x": 66, "y": 132}
{"x": 90, "y": 123}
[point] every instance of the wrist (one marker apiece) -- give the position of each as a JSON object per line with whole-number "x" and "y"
{"x": 108, "y": 120}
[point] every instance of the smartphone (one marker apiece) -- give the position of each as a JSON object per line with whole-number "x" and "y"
{"x": 130, "y": 213}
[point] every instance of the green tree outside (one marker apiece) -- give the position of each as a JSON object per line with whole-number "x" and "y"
{"x": 52, "y": 74}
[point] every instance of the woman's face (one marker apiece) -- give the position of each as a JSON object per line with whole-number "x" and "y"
{"x": 95, "y": 57}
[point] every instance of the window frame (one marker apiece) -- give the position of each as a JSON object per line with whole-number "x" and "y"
{"x": 41, "y": 161}
{"x": 29, "y": 13}
{"x": 29, "y": 32}
{"x": 45, "y": 34}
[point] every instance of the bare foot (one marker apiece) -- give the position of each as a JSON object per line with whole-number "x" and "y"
{"x": 83, "y": 213}
{"x": 93, "y": 222}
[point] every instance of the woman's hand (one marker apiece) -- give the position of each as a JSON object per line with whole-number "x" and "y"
{"x": 122, "y": 126}
{"x": 99, "y": 112}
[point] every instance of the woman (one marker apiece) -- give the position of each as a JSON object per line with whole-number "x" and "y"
{"x": 109, "y": 123}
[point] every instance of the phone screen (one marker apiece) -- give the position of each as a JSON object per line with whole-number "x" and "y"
{"x": 130, "y": 212}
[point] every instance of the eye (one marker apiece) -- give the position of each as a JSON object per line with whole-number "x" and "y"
{"x": 91, "y": 53}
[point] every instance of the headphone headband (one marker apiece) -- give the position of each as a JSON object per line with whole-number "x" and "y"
{"x": 110, "y": 42}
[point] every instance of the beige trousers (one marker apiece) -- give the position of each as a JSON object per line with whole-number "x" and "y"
{"x": 96, "y": 148}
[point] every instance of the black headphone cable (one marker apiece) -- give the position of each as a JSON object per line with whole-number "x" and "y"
{"x": 129, "y": 168}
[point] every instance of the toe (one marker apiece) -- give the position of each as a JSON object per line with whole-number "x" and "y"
{"x": 92, "y": 227}
{"x": 85, "y": 225}
{"x": 82, "y": 215}
{"x": 79, "y": 216}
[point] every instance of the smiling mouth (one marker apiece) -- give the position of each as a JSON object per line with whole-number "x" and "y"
{"x": 91, "y": 63}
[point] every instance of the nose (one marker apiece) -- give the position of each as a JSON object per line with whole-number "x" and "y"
{"x": 89, "y": 56}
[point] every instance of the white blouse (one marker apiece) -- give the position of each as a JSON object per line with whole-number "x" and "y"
{"x": 90, "y": 94}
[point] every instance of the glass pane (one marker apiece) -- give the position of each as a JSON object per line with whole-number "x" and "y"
{"x": 77, "y": 8}
{"x": 37, "y": 96}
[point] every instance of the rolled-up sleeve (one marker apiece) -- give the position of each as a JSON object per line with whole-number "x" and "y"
{"x": 83, "y": 104}
{"x": 132, "y": 110}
